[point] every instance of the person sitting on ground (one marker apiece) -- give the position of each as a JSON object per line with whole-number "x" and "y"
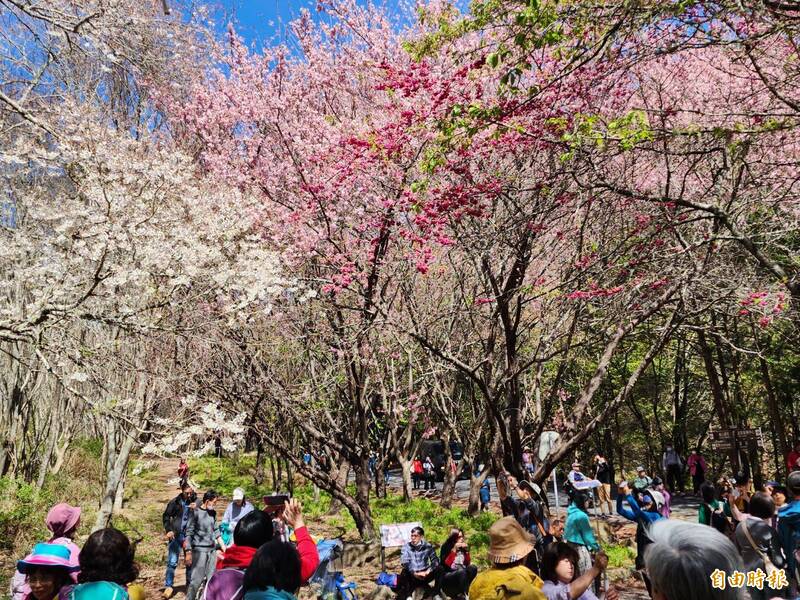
{"x": 108, "y": 569}
{"x": 578, "y": 532}
{"x": 789, "y": 522}
{"x": 274, "y": 573}
{"x": 46, "y": 570}
{"x": 202, "y": 539}
{"x": 643, "y": 516}
{"x": 642, "y": 481}
{"x": 682, "y": 559}
{"x": 508, "y": 578}
{"x": 62, "y": 520}
{"x": 420, "y": 565}
{"x": 252, "y": 531}
{"x": 758, "y": 543}
{"x": 561, "y": 578}
{"x": 457, "y": 572}
{"x": 237, "y": 509}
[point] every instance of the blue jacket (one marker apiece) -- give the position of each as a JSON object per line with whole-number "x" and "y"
{"x": 643, "y": 519}
{"x": 578, "y": 530}
{"x": 789, "y": 531}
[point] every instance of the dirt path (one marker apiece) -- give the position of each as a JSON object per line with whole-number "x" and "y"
{"x": 146, "y": 505}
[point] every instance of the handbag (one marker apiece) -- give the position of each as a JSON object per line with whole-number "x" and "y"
{"x": 769, "y": 566}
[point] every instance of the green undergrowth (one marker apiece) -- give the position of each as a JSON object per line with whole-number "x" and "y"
{"x": 228, "y": 473}
{"x": 619, "y": 556}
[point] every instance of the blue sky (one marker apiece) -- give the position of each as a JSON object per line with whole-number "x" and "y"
{"x": 260, "y": 20}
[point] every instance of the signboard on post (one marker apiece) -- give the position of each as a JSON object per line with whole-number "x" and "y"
{"x": 730, "y": 439}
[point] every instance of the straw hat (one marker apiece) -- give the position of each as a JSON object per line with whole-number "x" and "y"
{"x": 508, "y": 541}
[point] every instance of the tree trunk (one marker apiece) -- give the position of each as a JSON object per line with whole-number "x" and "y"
{"x": 341, "y": 481}
{"x": 258, "y": 474}
{"x": 449, "y": 483}
{"x": 774, "y": 411}
{"x": 380, "y": 480}
{"x": 113, "y": 479}
{"x": 363, "y": 516}
{"x": 408, "y": 485}
{"x": 475, "y": 483}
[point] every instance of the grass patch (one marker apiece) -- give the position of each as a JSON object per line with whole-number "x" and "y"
{"x": 619, "y": 556}
{"x": 228, "y": 473}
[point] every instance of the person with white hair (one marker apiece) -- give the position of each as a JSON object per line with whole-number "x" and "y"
{"x": 683, "y": 558}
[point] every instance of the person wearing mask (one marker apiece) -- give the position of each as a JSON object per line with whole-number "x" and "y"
{"x": 672, "y": 464}
{"x": 457, "y": 570}
{"x": 108, "y": 569}
{"x": 46, "y": 570}
{"x": 578, "y": 532}
{"x": 697, "y": 469}
{"x": 237, "y": 509}
{"x": 63, "y": 521}
{"x": 642, "y": 481}
{"x": 274, "y": 573}
{"x": 202, "y": 540}
{"x": 759, "y": 545}
{"x": 605, "y": 475}
{"x": 682, "y": 558}
{"x": 644, "y": 516}
{"x": 793, "y": 459}
{"x": 789, "y": 526}
{"x": 509, "y": 577}
{"x": 175, "y": 519}
{"x": 429, "y": 473}
{"x": 562, "y": 580}
{"x": 420, "y": 565}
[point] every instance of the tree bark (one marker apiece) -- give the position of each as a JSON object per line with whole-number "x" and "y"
{"x": 114, "y": 477}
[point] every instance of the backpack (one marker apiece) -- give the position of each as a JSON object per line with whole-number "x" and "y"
{"x": 334, "y": 587}
{"x": 719, "y": 521}
{"x": 769, "y": 566}
{"x": 98, "y": 590}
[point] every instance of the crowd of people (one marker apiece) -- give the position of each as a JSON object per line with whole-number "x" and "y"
{"x": 268, "y": 553}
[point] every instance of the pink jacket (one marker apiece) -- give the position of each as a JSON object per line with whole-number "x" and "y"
{"x": 694, "y": 461}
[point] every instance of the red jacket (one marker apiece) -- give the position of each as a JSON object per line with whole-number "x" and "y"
{"x": 791, "y": 461}
{"x": 241, "y": 556}
{"x": 452, "y": 556}
{"x": 417, "y": 468}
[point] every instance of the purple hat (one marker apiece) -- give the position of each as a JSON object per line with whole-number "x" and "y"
{"x": 46, "y": 555}
{"x": 62, "y": 519}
